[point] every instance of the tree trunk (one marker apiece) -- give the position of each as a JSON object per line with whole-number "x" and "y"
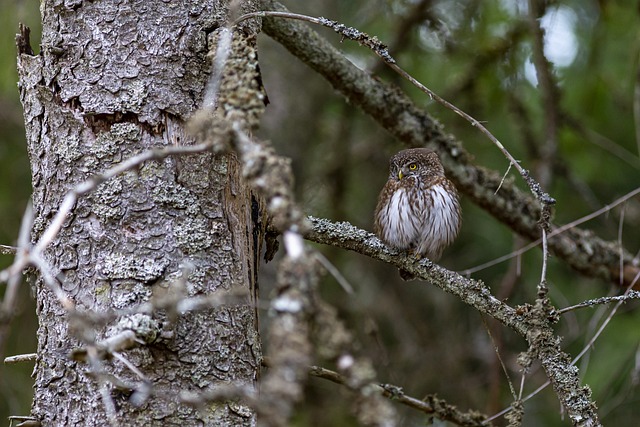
{"x": 114, "y": 79}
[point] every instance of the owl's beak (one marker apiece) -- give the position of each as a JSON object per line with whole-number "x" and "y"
{"x": 400, "y": 175}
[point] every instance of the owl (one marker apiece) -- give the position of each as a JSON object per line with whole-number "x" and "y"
{"x": 418, "y": 208}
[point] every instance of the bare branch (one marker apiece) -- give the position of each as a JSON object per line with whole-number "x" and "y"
{"x": 472, "y": 292}
{"x": 8, "y": 250}
{"x": 631, "y": 295}
{"x": 28, "y": 357}
{"x": 430, "y": 404}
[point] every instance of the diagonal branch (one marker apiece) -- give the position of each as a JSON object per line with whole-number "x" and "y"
{"x": 525, "y": 320}
{"x": 473, "y": 292}
{"x": 395, "y": 112}
{"x": 430, "y": 404}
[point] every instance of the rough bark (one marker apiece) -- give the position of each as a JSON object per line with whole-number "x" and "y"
{"x": 114, "y": 79}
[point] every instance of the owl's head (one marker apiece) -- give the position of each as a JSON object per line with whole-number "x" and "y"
{"x": 415, "y": 162}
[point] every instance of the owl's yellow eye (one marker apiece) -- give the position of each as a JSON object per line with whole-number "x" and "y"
{"x": 413, "y": 167}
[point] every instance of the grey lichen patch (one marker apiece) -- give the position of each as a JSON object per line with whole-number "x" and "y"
{"x": 126, "y": 131}
{"x": 69, "y": 149}
{"x": 131, "y": 266}
{"x": 107, "y": 200}
{"x": 102, "y": 292}
{"x": 197, "y": 281}
{"x": 127, "y": 293}
{"x": 146, "y": 328}
{"x": 134, "y": 97}
{"x": 241, "y": 410}
{"x": 174, "y": 195}
{"x": 104, "y": 146}
{"x": 109, "y": 143}
{"x": 193, "y": 235}
{"x": 150, "y": 171}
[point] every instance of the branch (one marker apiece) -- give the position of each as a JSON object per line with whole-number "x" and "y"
{"x": 472, "y": 292}
{"x": 631, "y": 295}
{"x": 28, "y": 357}
{"x": 395, "y": 112}
{"x": 430, "y": 404}
{"x": 526, "y": 320}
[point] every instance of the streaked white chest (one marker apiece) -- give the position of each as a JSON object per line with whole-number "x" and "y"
{"x": 425, "y": 221}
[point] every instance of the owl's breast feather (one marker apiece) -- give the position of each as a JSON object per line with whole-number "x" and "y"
{"x": 399, "y": 225}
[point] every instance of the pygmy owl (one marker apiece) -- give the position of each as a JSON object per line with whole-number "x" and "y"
{"x": 418, "y": 208}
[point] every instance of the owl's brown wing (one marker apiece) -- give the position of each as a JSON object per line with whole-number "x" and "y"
{"x": 442, "y": 221}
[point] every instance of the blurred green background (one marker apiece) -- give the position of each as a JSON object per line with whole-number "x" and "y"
{"x": 15, "y": 190}
{"x": 478, "y": 55}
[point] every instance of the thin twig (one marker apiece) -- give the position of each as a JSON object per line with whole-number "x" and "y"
{"x": 133, "y": 368}
{"x": 18, "y": 358}
{"x": 103, "y": 387}
{"x": 526, "y": 398}
{"x": 606, "y": 321}
{"x": 335, "y": 273}
{"x": 21, "y": 254}
{"x": 621, "y": 299}
{"x": 13, "y": 277}
{"x": 8, "y": 250}
{"x": 631, "y": 295}
{"x": 542, "y": 287}
{"x": 604, "y": 142}
{"x": 553, "y": 233}
{"x": 50, "y": 280}
{"x": 430, "y": 405}
{"x": 497, "y": 351}
{"x": 503, "y": 178}
{"x": 381, "y": 50}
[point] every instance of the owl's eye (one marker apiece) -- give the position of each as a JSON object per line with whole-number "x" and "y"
{"x": 413, "y": 167}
